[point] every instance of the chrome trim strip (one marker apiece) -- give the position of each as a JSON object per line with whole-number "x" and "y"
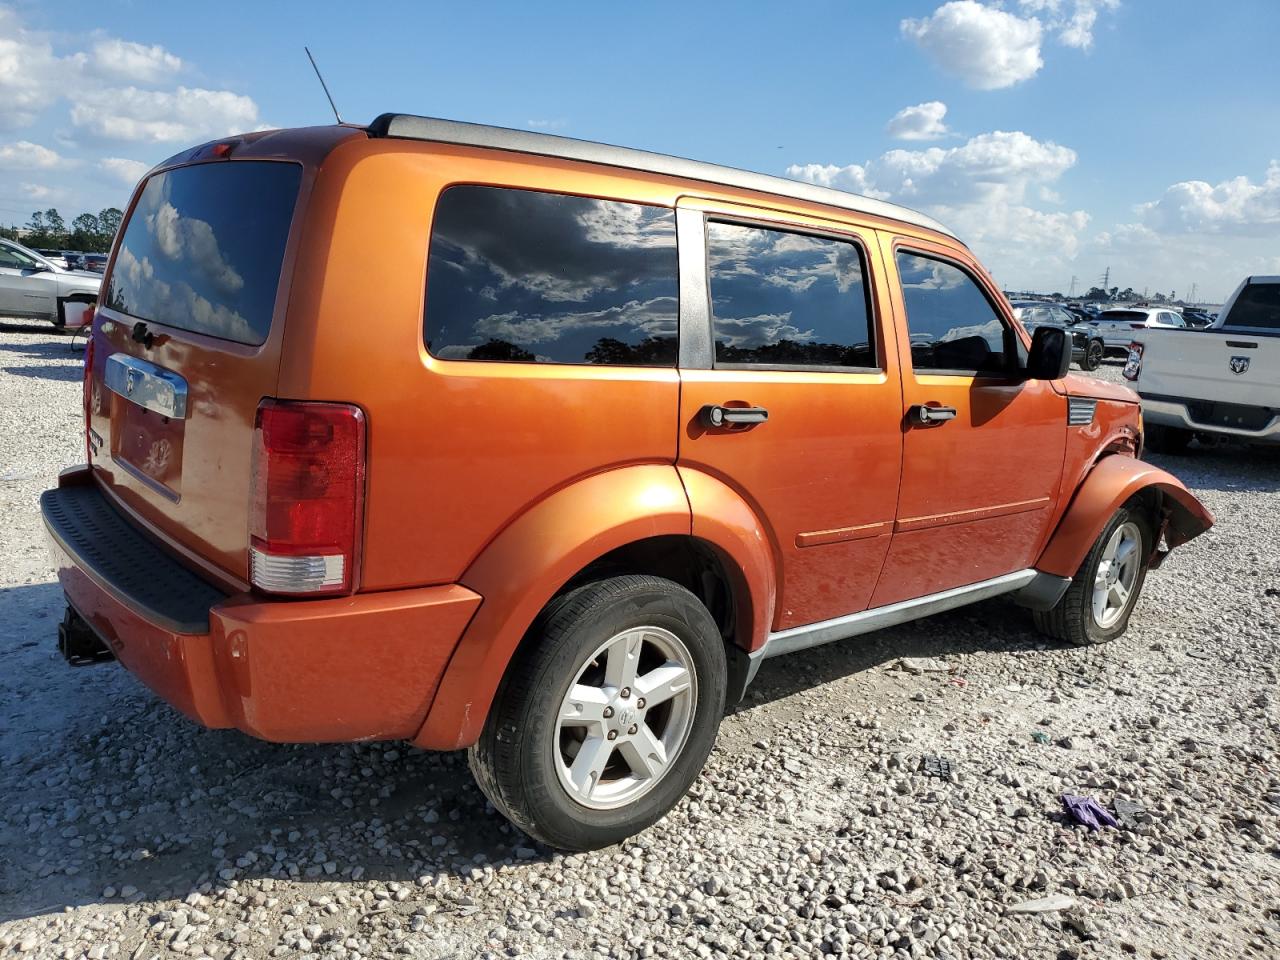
{"x": 154, "y": 388}
{"x": 841, "y": 628}
{"x": 404, "y": 126}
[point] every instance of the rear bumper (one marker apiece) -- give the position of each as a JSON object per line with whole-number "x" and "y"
{"x": 363, "y": 667}
{"x": 1175, "y": 412}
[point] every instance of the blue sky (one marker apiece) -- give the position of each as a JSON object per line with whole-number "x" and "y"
{"x": 1058, "y": 137}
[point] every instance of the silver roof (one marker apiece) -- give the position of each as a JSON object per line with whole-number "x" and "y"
{"x": 405, "y": 126}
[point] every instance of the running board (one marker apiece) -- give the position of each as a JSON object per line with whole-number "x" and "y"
{"x": 1025, "y": 582}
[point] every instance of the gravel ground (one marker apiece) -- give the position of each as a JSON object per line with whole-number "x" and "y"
{"x": 125, "y": 831}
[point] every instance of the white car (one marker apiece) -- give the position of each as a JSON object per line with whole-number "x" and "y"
{"x": 1117, "y": 326}
{"x": 1223, "y": 381}
{"x": 33, "y": 287}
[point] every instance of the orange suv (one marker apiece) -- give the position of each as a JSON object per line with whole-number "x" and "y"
{"x": 592, "y": 434}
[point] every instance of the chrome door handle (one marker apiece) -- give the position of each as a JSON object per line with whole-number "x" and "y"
{"x": 715, "y": 415}
{"x": 923, "y": 413}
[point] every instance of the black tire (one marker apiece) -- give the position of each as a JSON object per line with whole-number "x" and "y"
{"x": 1166, "y": 440}
{"x": 1093, "y": 354}
{"x": 1072, "y": 619}
{"x": 516, "y": 760}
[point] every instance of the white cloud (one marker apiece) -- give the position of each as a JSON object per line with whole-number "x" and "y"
{"x": 29, "y": 72}
{"x": 185, "y": 115}
{"x": 986, "y": 47}
{"x": 41, "y": 193}
{"x": 1237, "y": 206}
{"x": 115, "y": 59}
{"x": 26, "y": 155}
{"x": 127, "y": 172}
{"x": 924, "y": 121}
{"x": 984, "y": 189}
{"x": 1074, "y": 22}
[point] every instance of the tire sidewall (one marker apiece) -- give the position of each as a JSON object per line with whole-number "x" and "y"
{"x": 1093, "y": 631}
{"x": 552, "y": 808}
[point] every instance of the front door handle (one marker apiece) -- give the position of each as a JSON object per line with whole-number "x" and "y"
{"x": 924, "y": 413}
{"x": 715, "y": 415}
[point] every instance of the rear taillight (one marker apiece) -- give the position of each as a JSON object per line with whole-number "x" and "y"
{"x": 86, "y": 396}
{"x": 308, "y": 497}
{"x": 1133, "y": 365}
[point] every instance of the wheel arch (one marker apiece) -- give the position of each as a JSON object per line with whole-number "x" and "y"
{"x": 1114, "y": 481}
{"x": 634, "y": 519}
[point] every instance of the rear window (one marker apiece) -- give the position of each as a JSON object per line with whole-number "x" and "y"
{"x": 1128, "y": 316}
{"x": 519, "y": 275}
{"x": 203, "y": 248}
{"x": 1257, "y": 306}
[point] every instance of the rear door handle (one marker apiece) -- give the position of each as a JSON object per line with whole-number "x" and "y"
{"x": 715, "y": 415}
{"x": 924, "y": 413}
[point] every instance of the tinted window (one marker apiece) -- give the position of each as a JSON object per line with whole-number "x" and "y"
{"x": 550, "y": 278}
{"x": 1257, "y": 306}
{"x": 785, "y": 299}
{"x": 203, "y": 248}
{"x": 953, "y": 325}
{"x": 15, "y": 259}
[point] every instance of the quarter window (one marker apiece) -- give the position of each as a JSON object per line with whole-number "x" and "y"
{"x": 551, "y": 278}
{"x": 953, "y": 326}
{"x": 787, "y": 299}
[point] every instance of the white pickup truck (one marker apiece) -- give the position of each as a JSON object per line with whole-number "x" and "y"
{"x": 1222, "y": 381}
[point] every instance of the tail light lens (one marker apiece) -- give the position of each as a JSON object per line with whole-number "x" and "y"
{"x": 86, "y": 397}
{"x": 1133, "y": 365}
{"x": 308, "y": 497}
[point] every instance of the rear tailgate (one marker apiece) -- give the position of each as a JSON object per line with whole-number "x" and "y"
{"x": 187, "y": 345}
{"x": 1221, "y": 366}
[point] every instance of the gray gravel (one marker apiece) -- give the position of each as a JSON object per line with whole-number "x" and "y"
{"x": 125, "y": 831}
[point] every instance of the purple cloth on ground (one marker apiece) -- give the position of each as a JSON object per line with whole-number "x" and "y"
{"x": 1088, "y": 811}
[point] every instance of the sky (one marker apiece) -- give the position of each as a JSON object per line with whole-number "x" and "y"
{"x": 1058, "y": 138}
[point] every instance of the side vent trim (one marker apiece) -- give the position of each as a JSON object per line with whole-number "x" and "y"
{"x": 1080, "y": 411}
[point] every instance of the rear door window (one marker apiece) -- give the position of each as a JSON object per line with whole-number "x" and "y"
{"x": 782, "y": 299}
{"x": 954, "y": 327}
{"x": 203, "y": 248}
{"x": 519, "y": 275}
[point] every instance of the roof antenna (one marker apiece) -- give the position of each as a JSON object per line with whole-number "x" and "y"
{"x": 324, "y": 85}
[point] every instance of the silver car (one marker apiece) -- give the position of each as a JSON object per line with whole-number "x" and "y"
{"x": 1117, "y": 326}
{"x": 33, "y": 287}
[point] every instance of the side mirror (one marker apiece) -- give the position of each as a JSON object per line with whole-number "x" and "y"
{"x": 1050, "y": 356}
{"x": 38, "y": 267}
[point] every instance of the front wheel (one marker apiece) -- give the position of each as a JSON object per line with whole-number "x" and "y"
{"x": 1096, "y": 607}
{"x": 606, "y": 715}
{"x": 1093, "y": 354}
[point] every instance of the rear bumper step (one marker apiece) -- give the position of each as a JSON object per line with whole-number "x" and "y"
{"x": 363, "y": 667}
{"x": 110, "y": 550}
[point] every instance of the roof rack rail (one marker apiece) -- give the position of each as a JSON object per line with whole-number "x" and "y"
{"x": 408, "y": 127}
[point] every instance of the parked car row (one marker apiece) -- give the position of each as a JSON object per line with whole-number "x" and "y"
{"x": 1087, "y": 347}
{"x": 75, "y": 260}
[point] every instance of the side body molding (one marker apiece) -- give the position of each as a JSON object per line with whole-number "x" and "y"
{"x": 524, "y": 566}
{"x": 1109, "y": 484}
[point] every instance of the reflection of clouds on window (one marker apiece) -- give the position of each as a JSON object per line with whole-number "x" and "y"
{"x": 952, "y": 324}
{"x": 518, "y": 275}
{"x": 203, "y": 249}
{"x": 179, "y": 237}
{"x": 759, "y": 330}
{"x": 787, "y": 298}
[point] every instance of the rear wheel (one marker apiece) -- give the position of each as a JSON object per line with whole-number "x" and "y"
{"x": 1162, "y": 439}
{"x": 1097, "y": 605}
{"x": 607, "y": 714}
{"x": 1093, "y": 354}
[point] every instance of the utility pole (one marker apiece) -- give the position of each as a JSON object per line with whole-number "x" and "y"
{"x": 1106, "y": 280}
{"x": 1071, "y": 291}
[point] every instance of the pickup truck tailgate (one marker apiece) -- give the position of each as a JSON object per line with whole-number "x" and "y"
{"x": 1218, "y": 366}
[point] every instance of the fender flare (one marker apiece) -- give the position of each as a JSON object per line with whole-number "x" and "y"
{"x": 1113, "y": 481}
{"x": 543, "y": 548}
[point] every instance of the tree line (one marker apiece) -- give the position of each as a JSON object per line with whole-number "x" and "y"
{"x": 47, "y": 230}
